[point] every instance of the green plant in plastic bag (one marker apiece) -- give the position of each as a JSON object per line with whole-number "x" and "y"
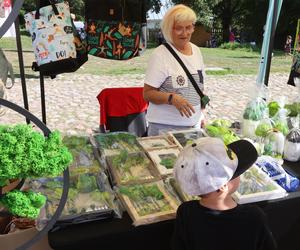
{"x": 273, "y": 108}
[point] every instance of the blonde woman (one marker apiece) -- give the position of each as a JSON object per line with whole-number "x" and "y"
{"x": 173, "y": 102}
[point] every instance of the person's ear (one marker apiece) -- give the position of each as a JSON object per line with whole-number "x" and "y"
{"x": 224, "y": 188}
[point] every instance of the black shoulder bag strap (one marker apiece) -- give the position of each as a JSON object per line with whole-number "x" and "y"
{"x": 204, "y": 98}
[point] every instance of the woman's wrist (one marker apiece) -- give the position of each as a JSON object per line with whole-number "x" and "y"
{"x": 170, "y": 99}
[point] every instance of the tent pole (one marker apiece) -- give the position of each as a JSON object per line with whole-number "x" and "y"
{"x": 271, "y": 43}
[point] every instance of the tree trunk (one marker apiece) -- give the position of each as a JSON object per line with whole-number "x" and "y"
{"x": 226, "y": 19}
{"x": 226, "y": 30}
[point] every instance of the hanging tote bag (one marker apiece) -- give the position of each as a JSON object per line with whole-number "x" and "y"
{"x": 52, "y": 38}
{"x": 116, "y": 28}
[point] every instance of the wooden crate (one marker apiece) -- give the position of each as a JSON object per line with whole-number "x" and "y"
{"x": 164, "y": 159}
{"x": 155, "y": 142}
{"x": 134, "y": 208}
{"x": 185, "y": 137}
{"x": 131, "y": 169}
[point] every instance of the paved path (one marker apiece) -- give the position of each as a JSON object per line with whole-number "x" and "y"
{"x": 72, "y": 106}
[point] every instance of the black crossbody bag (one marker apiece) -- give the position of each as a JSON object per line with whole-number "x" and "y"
{"x": 203, "y": 98}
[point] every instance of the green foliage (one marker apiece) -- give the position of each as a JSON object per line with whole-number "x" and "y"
{"x": 238, "y": 46}
{"x": 86, "y": 183}
{"x": 294, "y": 109}
{"x": 23, "y": 204}
{"x": 212, "y": 130}
{"x": 282, "y": 127}
{"x": 140, "y": 192}
{"x": 120, "y": 159}
{"x": 53, "y": 184}
{"x": 221, "y": 123}
{"x": 77, "y": 144}
{"x": 273, "y": 108}
{"x": 168, "y": 162}
{"x": 255, "y": 110}
{"x": 56, "y": 193}
{"x": 263, "y": 129}
{"x": 202, "y": 8}
{"x": 153, "y": 5}
{"x": 27, "y": 153}
{"x": 117, "y": 141}
{"x": 251, "y": 114}
{"x": 103, "y": 197}
{"x": 77, "y": 8}
{"x": 221, "y": 132}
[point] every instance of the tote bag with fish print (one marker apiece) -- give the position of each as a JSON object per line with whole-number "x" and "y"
{"x": 52, "y": 38}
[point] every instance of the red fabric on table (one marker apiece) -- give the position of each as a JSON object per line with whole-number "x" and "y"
{"x": 119, "y": 102}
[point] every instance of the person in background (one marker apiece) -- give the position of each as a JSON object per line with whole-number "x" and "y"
{"x": 288, "y": 45}
{"x": 160, "y": 37}
{"x": 211, "y": 170}
{"x": 173, "y": 101}
{"x": 231, "y": 36}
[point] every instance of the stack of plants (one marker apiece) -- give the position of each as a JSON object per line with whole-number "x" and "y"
{"x": 89, "y": 190}
{"x": 28, "y": 153}
{"x": 221, "y": 129}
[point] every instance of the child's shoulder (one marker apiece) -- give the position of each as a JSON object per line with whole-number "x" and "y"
{"x": 187, "y": 206}
{"x": 192, "y": 203}
{"x": 253, "y": 211}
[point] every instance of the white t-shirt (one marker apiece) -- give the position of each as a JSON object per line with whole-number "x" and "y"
{"x": 165, "y": 73}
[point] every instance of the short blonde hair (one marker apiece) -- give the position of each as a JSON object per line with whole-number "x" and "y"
{"x": 178, "y": 13}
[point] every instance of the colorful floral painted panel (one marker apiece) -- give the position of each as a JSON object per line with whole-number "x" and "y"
{"x": 113, "y": 39}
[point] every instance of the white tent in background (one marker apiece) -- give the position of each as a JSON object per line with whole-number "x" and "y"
{"x": 6, "y": 8}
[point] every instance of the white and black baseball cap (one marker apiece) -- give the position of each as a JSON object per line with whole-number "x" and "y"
{"x": 206, "y": 165}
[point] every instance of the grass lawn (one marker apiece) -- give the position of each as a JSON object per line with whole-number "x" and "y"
{"x": 236, "y": 62}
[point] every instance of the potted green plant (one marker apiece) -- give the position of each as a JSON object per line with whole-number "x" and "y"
{"x": 26, "y": 153}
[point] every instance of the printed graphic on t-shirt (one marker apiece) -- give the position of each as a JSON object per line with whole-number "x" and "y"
{"x": 187, "y": 91}
{"x": 179, "y": 81}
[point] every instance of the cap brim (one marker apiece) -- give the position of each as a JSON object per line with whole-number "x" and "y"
{"x": 246, "y": 154}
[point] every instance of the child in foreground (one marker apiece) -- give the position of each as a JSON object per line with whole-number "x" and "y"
{"x": 211, "y": 170}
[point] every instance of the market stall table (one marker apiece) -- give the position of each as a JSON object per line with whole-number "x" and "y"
{"x": 283, "y": 215}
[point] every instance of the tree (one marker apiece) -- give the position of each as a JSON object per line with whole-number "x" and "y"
{"x": 153, "y": 5}
{"x": 77, "y": 8}
{"x": 203, "y": 9}
{"x": 226, "y": 10}
{"x": 223, "y": 12}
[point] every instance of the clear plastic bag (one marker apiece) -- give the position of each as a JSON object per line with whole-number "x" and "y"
{"x": 253, "y": 113}
{"x": 294, "y": 107}
{"x": 263, "y": 128}
{"x": 280, "y": 121}
{"x": 274, "y": 144}
{"x": 275, "y": 105}
{"x": 292, "y": 143}
{"x": 216, "y": 129}
{"x": 90, "y": 195}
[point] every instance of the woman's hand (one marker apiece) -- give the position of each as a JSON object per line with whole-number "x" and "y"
{"x": 182, "y": 105}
